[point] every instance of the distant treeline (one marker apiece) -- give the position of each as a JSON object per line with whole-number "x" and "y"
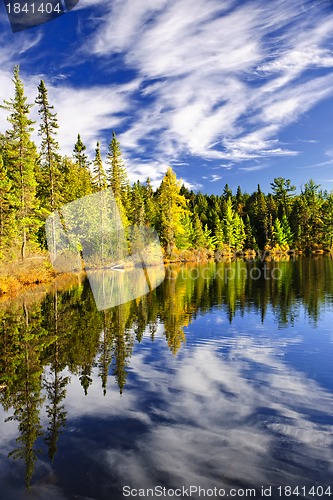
{"x": 36, "y": 181}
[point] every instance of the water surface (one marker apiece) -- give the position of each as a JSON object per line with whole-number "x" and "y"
{"x": 221, "y": 377}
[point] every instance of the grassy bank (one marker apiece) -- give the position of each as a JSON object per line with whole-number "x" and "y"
{"x": 17, "y": 274}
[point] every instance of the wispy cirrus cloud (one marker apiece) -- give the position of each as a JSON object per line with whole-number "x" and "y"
{"x": 223, "y": 79}
{"x": 205, "y": 79}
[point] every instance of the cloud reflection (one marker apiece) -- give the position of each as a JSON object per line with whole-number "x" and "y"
{"x": 216, "y": 417}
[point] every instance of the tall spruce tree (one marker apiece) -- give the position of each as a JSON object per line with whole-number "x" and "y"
{"x": 80, "y": 158}
{"x": 21, "y": 158}
{"x": 99, "y": 175}
{"x": 117, "y": 175}
{"x": 50, "y": 178}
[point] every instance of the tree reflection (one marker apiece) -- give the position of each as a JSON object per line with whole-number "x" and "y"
{"x": 44, "y": 343}
{"x": 25, "y": 395}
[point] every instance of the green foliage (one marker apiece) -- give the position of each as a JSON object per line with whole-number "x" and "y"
{"x": 279, "y": 235}
{"x": 7, "y": 201}
{"x": 50, "y": 179}
{"x": 34, "y": 183}
{"x": 117, "y": 175}
{"x": 172, "y": 210}
{"x": 20, "y": 157}
{"x": 198, "y": 238}
{"x": 99, "y": 180}
{"x": 283, "y": 191}
{"x": 80, "y": 158}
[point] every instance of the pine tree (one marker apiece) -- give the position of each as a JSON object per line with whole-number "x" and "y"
{"x": 227, "y": 192}
{"x": 287, "y": 231}
{"x": 50, "y": 181}
{"x": 81, "y": 159}
{"x": 239, "y": 233}
{"x": 198, "y": 232}
{"x": 117, "y": 175}
{"x": 99, "y": 176}
{"x": 150, "y": 204}
{"x": 228, "y": 224}
{"x": 7, "y": 223}
{"x": 258, "y": 213}
{"x": 138, "y": 214}
{"x": 250, "y": 241}
{"x": 279, "y": 236}
{"x": 282, "y": 190}
{"x": 21, "y": 157}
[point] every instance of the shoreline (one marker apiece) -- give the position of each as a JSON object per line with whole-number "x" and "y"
{"x": 16, "y": 277}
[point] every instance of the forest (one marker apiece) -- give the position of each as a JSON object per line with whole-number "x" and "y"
{"x": 35, "y": 181}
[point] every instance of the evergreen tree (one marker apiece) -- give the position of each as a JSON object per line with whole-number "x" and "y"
{"x": 239, "y": 232}
{"x": 138, "y": 213}
{"x": 150, "y": 204}
{"x": 50, "y": 179}
{"x": 117, "y": 175}
{"x": 328, "y": 221}
{"x": 198, "y": 233}
{"x": 227, "y": 193}
{"x": 77, "y": 180}
{"x": 21, "y": 157}
{"x": 283, "y": 191}
{"x": 308, "y": 217}
{"x": 79, "y": 173}
{"x": 210, "y": 240}
{"x": 81, "y": 159}
{"x": 99, "y": 176}
{"x": 279, "y": 236}
{"x": 239, "y": 202}
{"x": 250, "y": 241}
{"x": 287, "y": 231}
{"x": 228, "y": 224}
{"x": 259, "y": 217}
{"x": 201, "y": 208}
{"x": 184, "y": 240}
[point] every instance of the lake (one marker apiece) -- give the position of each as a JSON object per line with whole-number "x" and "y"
{"x": 219, "y": 379}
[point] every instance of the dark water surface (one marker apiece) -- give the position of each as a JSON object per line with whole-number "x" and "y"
{"x": 219, "y": 378}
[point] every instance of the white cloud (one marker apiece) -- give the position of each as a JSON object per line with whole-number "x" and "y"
{"x": 254, "y": 168}
{"x": 215, "y": 178}
{"x": 213, "y": 80}
{"x": 208, "y": 56}
{"x": 207, "y": 404}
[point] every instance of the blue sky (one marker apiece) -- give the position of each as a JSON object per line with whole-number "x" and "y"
{"x": 224, "y": 91}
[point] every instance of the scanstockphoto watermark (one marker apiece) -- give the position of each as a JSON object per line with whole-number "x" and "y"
{"x": 228, "y": 273}
{"x": 188, "y": 491}
{"x": 23, "y": 14}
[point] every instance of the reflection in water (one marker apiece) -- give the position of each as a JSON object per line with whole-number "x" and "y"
{"x": 243, "y": 402}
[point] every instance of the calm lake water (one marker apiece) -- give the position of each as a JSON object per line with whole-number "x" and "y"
{"x": 219, "y": 378}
